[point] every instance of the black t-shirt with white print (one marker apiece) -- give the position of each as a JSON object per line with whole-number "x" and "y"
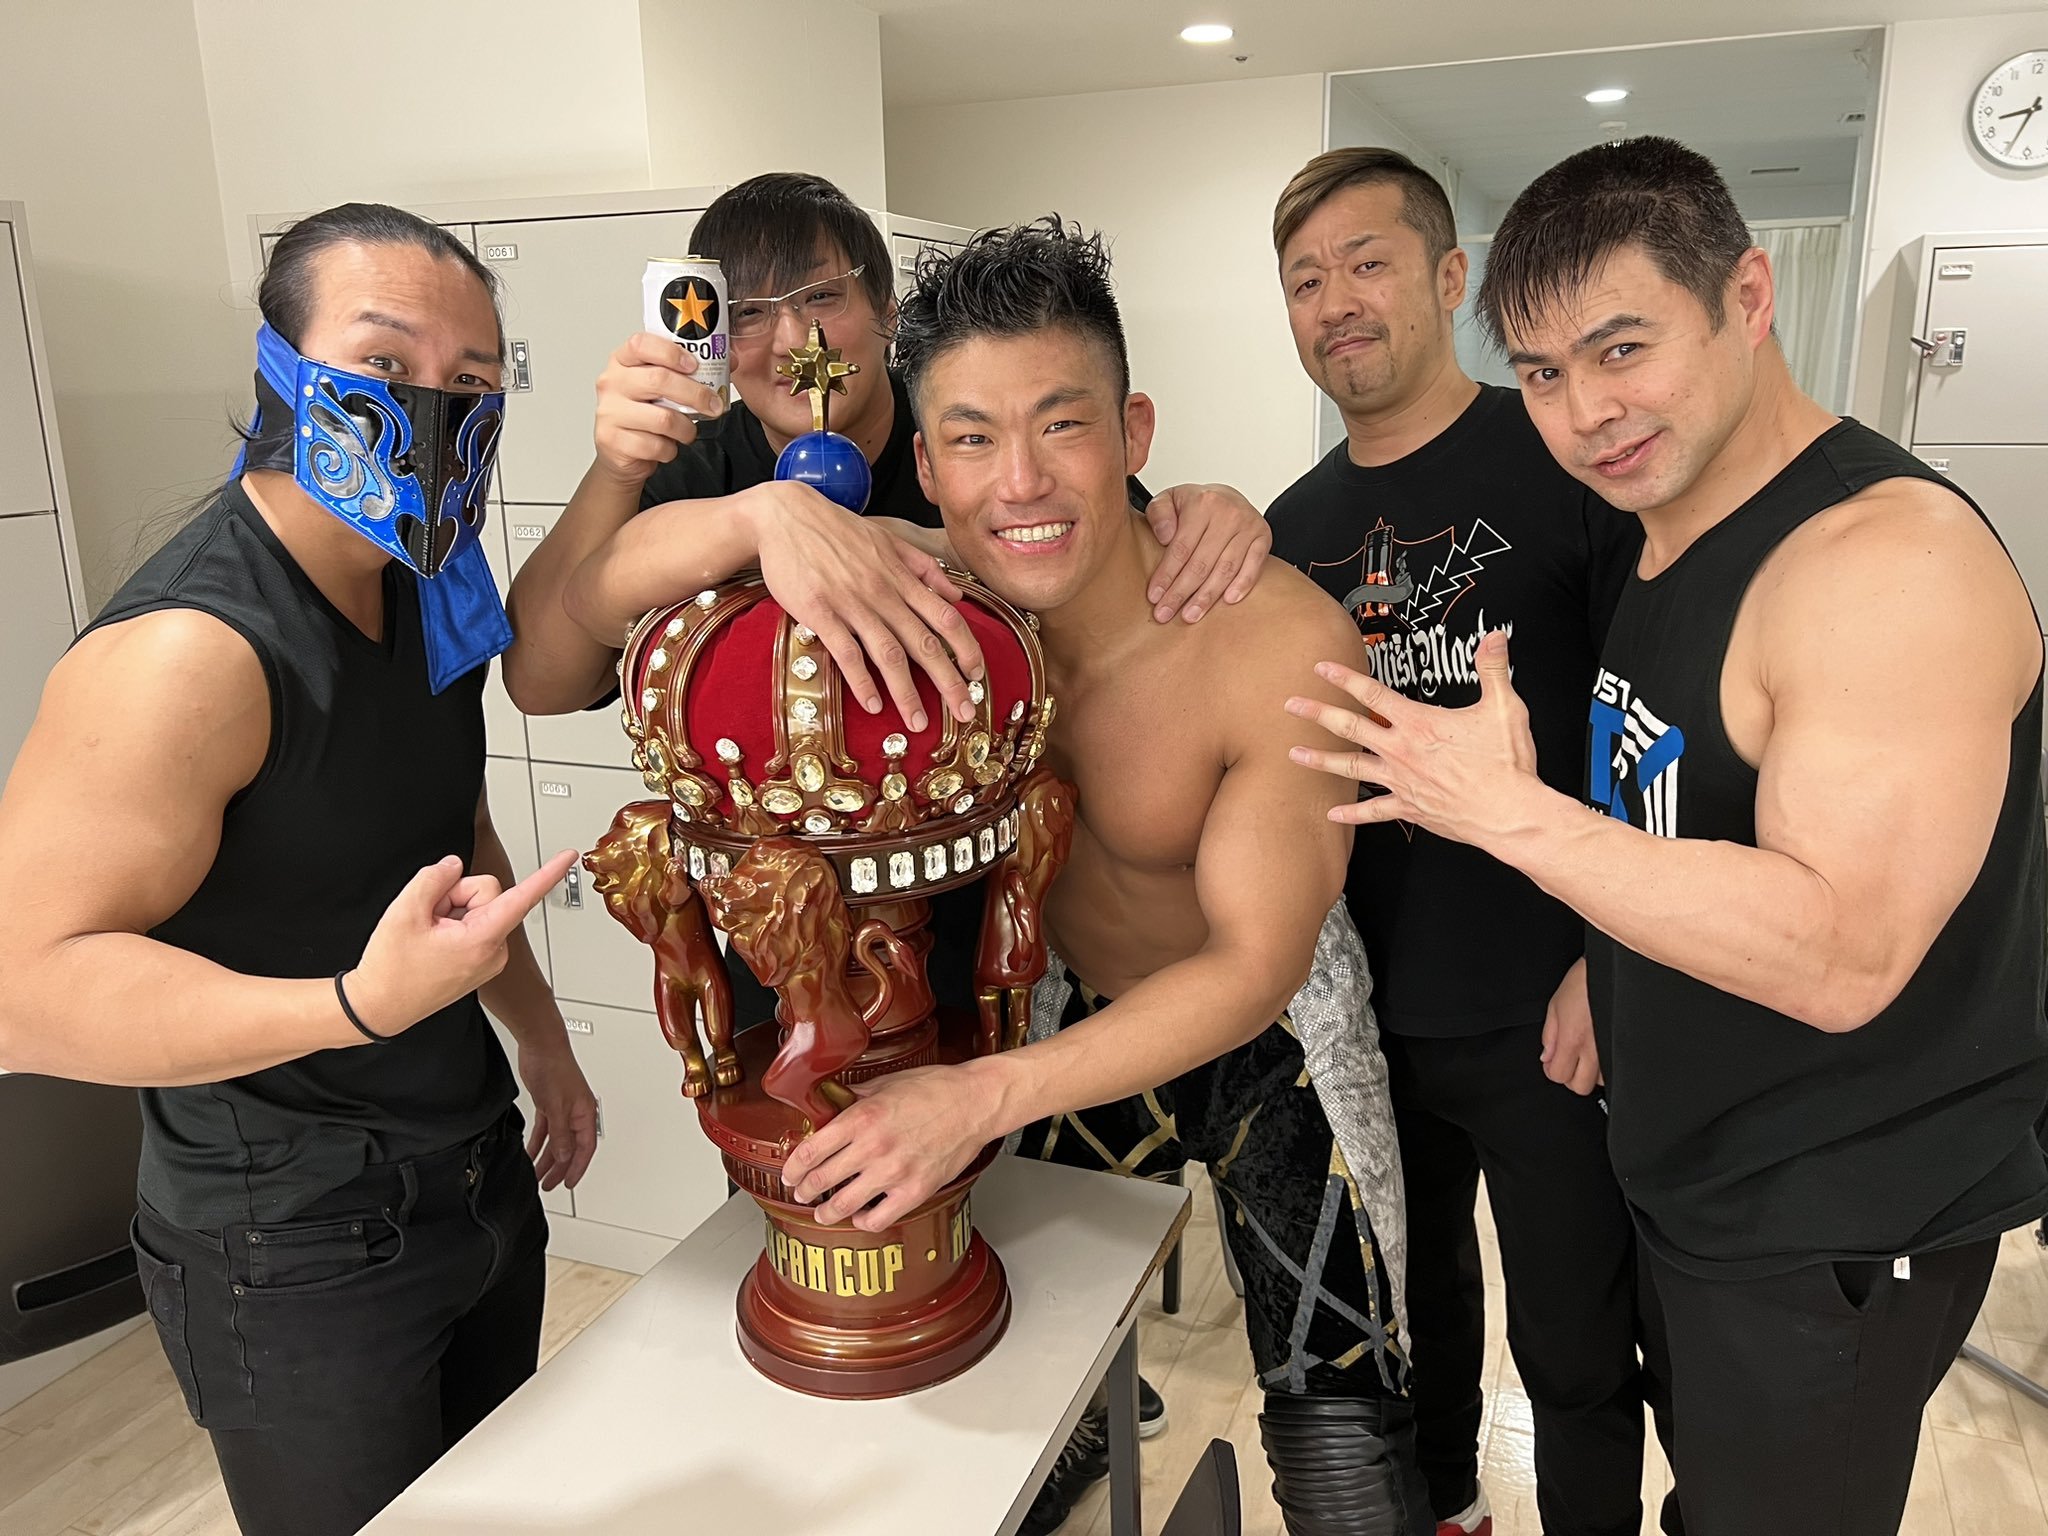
{"x": 1478, "y": 529}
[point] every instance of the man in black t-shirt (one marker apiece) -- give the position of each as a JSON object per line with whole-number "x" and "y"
{"x": 1442, "y": 516}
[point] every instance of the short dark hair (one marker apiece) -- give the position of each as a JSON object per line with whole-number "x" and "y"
{"x": 1654, "y": 194}
{"x": 768, "y": 231}
{"x": 1011, "y": 282}
{"x": 285, "y": 294}
{"x": 1425, "y": 207}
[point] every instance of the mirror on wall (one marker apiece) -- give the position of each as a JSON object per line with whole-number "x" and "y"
{"x": 1787, "y": 119}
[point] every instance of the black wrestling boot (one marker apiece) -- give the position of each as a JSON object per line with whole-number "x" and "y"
{"x": 1345, "y": 1466}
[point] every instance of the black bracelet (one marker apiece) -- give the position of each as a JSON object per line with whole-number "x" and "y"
{"x": 368, "y": 1033}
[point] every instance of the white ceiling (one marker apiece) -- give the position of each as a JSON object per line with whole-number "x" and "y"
{"x": 938, "y": 51}
{"x": 1746, "y": 104}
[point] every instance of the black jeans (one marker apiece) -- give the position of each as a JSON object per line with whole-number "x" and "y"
{"x": 334, "y": 1357}
{"x": 1567, "y": 1252}
{"x": 1797, "y": 1397}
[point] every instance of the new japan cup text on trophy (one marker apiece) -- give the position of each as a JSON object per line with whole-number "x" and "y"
{"x": 814, "y": 836}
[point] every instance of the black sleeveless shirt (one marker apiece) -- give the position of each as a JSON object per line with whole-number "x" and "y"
{"x": 1747, "y": 1142}
{"x": 368, "y": 777}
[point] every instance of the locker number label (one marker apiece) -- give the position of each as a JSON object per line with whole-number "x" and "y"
{"x": 577, "y": 1026}
{"x": 501, "y": 253}
{"x": 554, "y": 787}
{"x": 533, "y": 532}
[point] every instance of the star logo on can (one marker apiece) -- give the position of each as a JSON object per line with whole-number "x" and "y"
{"x": 692, "y": 307}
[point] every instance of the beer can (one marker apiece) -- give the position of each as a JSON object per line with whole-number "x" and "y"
{"x": 684, "y": 297}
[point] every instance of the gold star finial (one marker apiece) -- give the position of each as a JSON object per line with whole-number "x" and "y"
{"x": 816, "y": 369}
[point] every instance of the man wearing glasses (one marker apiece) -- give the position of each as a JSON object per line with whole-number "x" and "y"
{"x": 801, "y": 234}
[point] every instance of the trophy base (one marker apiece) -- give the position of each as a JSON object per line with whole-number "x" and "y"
{"x": 837, "y": 1312}
{"x": 811, "y": 1355}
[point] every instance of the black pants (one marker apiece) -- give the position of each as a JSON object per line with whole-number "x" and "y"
{"x": 1797, "y": 1397}
{"x": 1337, "y": 1427}
{"x": 1567, "y": 1252}
{"x": 334, "y": 1357}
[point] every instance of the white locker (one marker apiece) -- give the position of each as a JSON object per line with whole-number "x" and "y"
{"x": 35, "y": 621}
{"x": 655, "y": 1171}
{"x": 24, "y": 458}
{"x": 593, "y": 737}
{"x": 1978, "y": 407}
{"x": 510, "y": 788}
{"x": 42, "y": 602}
{"x": 571, "y": 295}
{"x": 595, "y": 960}
{"x": 2010, "y": 482}
{"x": 910, "y": 238}
{"x": 504, "y": 726}
{"x": 1991, "y": 386}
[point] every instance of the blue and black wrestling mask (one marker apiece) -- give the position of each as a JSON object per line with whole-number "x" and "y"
{"x": 408, "y": 468}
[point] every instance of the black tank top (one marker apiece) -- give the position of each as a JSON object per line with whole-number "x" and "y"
{"x": 1747, "y": 1142}
{"x": 369, "y": 776}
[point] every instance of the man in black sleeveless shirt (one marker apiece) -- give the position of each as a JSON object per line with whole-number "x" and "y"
{"x": 1812, "y": 865}
{"x": 1439, "y": 517}
{"x": 233, "y": 784}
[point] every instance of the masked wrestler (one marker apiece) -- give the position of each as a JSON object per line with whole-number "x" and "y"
{"x": 1211, "y": 1003}
{"x": 260, "y": 773}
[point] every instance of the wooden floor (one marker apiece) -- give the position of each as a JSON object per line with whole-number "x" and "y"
{"x": 108, "y": 1451}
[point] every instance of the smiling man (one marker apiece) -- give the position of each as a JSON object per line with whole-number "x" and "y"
{"x": 1199, "y": 894}
{"x": 1440, "y": 515}
{"x": 1813, "y": 862}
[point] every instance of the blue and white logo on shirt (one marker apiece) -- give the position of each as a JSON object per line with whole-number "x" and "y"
{"x": 1632, "y": 759}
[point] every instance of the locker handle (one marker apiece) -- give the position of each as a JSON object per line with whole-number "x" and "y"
{"x": 522, "y": 367}
{"x": 572, "y": 897}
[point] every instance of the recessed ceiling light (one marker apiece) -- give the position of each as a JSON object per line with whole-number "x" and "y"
{"x": 1601, "y": 98}
{"x": 1206, "y": 32}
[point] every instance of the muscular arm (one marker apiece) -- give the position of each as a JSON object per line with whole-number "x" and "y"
{"x": 1890, "y": 645}
{"x": 1267, "y": 872}
{"x": 146, "y": 730}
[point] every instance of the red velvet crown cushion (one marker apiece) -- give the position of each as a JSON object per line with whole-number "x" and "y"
{"x": 731, "y": 697}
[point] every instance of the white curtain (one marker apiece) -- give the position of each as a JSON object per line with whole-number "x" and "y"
{"x": 1808, "y": 262}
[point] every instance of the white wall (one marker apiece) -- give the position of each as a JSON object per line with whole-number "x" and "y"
{"x": 1928, "y": 179}
{"x": 1832, "y": 201}
{"x": 1184, "y": 179}
{"x": 103, "y": 134}
{"x": 434, "y": 103}
{"x": 736, "y": 87}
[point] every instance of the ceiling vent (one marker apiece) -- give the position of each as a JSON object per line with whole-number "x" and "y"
{"x": 1774, "y": 170}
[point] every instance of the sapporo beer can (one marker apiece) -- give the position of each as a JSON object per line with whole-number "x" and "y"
{"x": 684, "y": 297}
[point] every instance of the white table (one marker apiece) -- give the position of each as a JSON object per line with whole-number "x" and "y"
{"x": 652, "y": 1421}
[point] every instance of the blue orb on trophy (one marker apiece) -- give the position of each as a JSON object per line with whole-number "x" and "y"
{"x": 821, "y": 457}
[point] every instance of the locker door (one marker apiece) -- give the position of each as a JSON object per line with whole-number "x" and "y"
{"x": 35, "y": 622}
{"x": 24, "y": 463}
{"x": 595, "y": 960}
{"x": 2005, "y": 479}
{"x": 590, "y": 736}
{"x": 510, "y": 787}
{"x": 559, "y": 1201}
{"x": 504, "y": 726}
{"x": 1998, "y": 295}
{"x": 572, "y": 294}
{"x": 906, "y": 249}
{"x": 655, "y": 1171}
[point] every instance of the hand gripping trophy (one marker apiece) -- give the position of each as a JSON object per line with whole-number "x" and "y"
{"x": 814, "y": 836}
